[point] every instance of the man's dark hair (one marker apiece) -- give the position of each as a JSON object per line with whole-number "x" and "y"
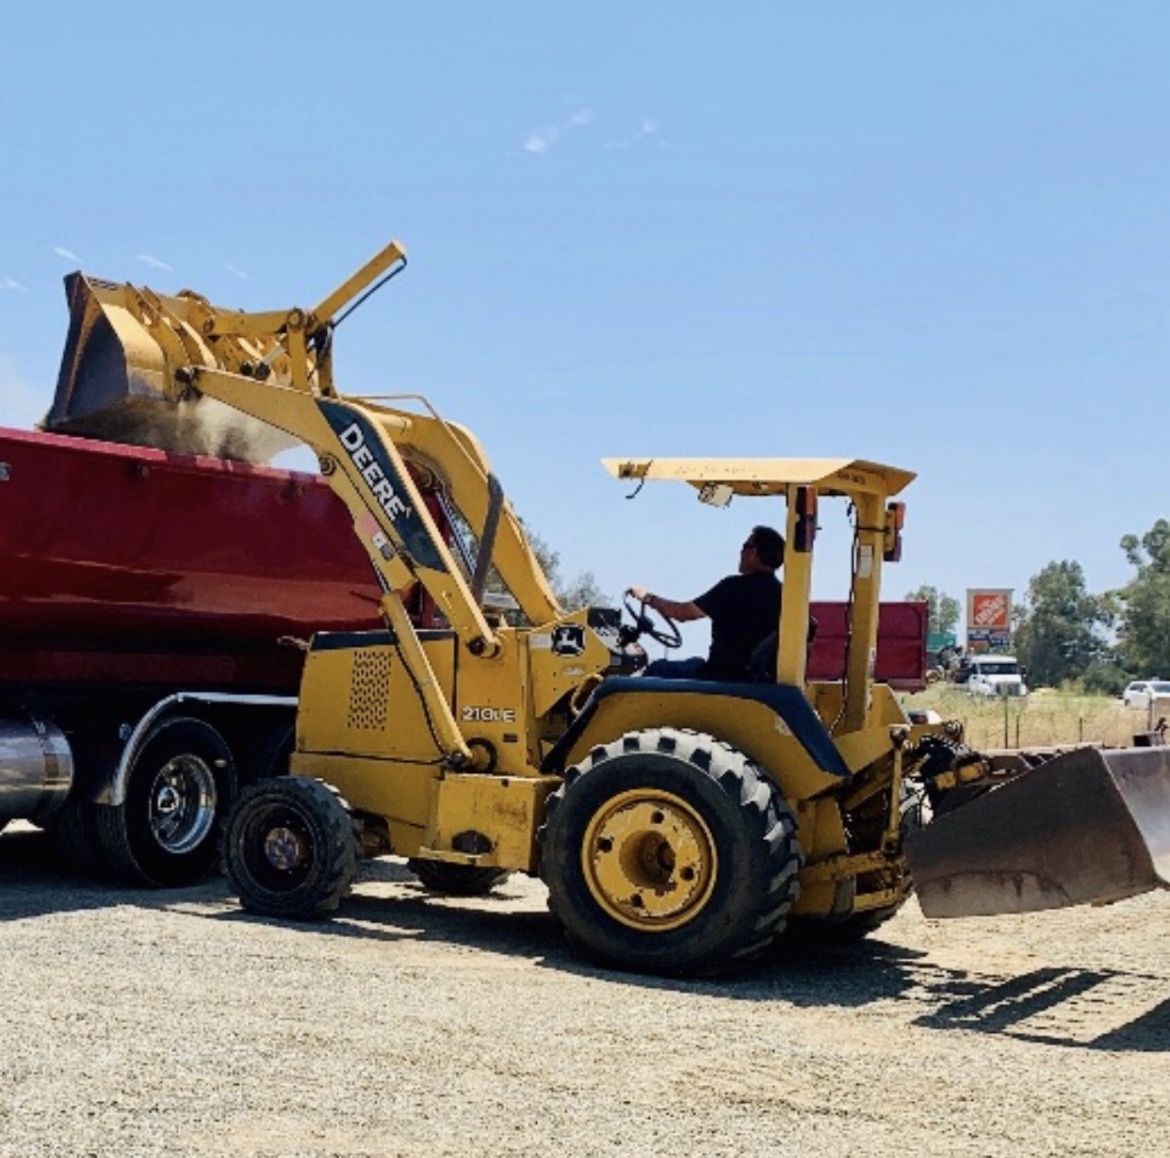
{"x": 769, "y": 546}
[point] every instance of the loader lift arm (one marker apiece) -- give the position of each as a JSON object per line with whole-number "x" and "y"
{"x": 276, "y": 367}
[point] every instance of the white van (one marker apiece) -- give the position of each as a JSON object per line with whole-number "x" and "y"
{"x": 995, "y": 675}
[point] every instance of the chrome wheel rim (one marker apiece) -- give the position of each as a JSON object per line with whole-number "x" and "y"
{"x": 183, "y": 801}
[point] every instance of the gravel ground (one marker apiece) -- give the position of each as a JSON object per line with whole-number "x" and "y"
{"x": 144, "y": 1023}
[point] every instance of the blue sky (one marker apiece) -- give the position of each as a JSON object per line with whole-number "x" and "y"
{"x": 928, "y": 234}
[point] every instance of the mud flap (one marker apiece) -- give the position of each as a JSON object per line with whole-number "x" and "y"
{"x": 1089, "y": 826}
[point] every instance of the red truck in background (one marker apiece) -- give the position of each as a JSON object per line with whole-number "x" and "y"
{"x": 901, "y": 644}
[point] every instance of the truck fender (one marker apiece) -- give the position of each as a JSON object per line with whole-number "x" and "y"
{"x": 113, "y": 792}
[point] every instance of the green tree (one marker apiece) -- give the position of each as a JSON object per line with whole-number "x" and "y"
{"x": 580, "y": 591}
{"x": 944, "y": 609}
{"x": 1060, "y": 635}
{"x": 1144, "y": 636}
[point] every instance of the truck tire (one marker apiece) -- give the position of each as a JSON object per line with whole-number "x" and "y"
{"x": 457, "y": 880}
{"x": 73, "y": 829}
{"x": 180, "y": 786}
{"x": 291, "y": 848}
{"x": 668, "y": 851}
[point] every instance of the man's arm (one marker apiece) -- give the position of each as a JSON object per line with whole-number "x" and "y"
{"x": 672, "y": 609}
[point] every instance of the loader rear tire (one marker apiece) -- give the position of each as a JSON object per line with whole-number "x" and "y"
{"x": 166, "y": 832}
{"x": 291, "y": 848}
{"x": 810, "y": 932}
{"x": 457, "y": 880}
{"x": 668, "y": 851}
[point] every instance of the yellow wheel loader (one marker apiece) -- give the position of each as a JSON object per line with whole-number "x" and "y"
{"x": 680, "y": 825}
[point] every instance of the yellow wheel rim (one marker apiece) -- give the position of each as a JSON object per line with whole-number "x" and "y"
{"x": 649, "y": 860}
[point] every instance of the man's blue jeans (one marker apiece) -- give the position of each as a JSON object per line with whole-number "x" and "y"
{"x": 677, "y": 669}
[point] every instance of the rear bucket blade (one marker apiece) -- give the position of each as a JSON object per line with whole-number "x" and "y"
{"x": 1090, "y": 826}
{"x": 117, "y": 377}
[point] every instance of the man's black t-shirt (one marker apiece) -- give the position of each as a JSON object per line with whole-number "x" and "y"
{"x": 743, "y": 610}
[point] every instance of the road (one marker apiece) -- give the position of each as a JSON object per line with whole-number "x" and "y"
{"x": 149, "y": 1023}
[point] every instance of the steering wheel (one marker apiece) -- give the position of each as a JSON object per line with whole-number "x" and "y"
{"x": 662, "y": 629}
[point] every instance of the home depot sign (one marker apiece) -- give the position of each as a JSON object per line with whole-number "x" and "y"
{"x": 989, "y": 618}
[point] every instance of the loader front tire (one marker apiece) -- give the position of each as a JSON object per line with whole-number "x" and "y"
{"x": 291, "y": 848}
{"x": 668, "y": 851}
{"x": 457, "y": 880}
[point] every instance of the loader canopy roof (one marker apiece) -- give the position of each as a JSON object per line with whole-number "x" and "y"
{"x": 768, "y": 476}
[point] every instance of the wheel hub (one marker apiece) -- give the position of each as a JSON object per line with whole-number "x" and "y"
{"x": 285, "y": 849}
{"x": 649, "y": 860}
{"x": 182, "y": 804}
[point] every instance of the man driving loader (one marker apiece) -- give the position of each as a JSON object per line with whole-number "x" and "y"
{"x": 743, "y": 608}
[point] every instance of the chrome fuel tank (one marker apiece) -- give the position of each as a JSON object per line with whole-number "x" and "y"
{"x": 36, "y": 769}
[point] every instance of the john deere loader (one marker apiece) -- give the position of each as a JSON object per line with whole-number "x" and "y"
{"x": 680, "y": 825}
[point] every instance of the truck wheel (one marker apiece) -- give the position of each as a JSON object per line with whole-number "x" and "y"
{"x": 73, "y": 828}
{"x": 291, "y": 848}
{"x": 457, "y": 880}
{"x": 179, "y": 788}
{"x": 670, "y": 852}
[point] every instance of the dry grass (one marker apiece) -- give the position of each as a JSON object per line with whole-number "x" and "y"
{"x": 1042, "y": 718}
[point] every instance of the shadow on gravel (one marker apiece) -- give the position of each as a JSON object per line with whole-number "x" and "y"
{"x": 1081, "y": 1008}
{"x": 416, "y": 914}
{"x": 1086, "y": 1008}
{"x": 35, "y": 879}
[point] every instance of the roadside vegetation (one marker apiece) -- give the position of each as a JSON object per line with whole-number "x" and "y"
{"x": 1045, "y": 717}
{"x": 1089, "y": 645}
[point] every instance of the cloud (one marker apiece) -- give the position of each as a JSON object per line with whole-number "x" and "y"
{"x": 540, "y": 140}
{"x": 155, "y": 263}
{"x": 235, "y": 270}
{"x": 10, "y": 283}
{"x": 645, "y": 133}
{"x": 67, "y": 254}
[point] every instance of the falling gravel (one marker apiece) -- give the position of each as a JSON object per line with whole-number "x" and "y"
{"x": 149, "y": 1023}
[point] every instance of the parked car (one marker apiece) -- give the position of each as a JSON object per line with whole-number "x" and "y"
{"x": 1142, "y": 693}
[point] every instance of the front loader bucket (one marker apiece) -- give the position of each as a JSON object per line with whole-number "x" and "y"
{"x": 1089, "y": 826}
{"x": 117, "y": 378}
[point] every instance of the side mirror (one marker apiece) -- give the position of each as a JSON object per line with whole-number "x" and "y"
{"x": 805, "y": 532}
{"x": 895, "y": 520}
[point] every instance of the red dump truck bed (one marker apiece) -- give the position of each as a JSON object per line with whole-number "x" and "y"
{"x": 122, "y": 563}
{"x": 135, "y": 565}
